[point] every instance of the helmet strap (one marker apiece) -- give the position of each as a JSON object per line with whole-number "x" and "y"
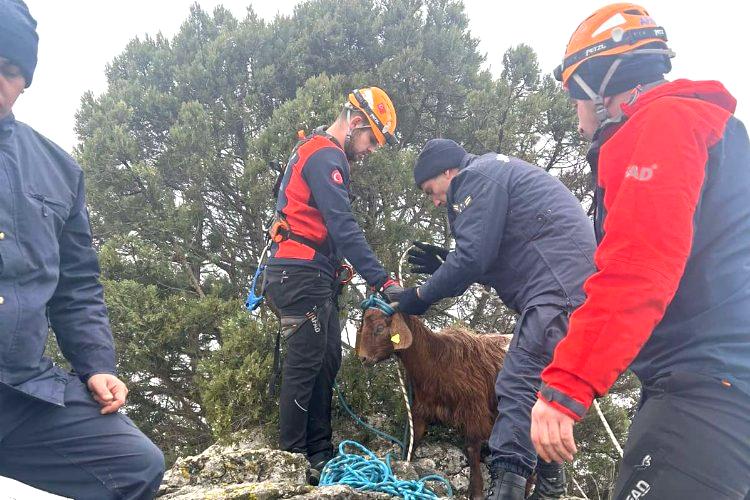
{"x": 601, "y": 111}
{"x": 602, "y": 114}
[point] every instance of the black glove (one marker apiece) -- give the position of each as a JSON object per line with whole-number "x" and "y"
{"x": 410, "y": 303}
{"x": 425, "y": 258}
{"x": 392, "y": 290}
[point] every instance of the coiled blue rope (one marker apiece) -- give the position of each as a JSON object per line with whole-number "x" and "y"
{"x": 369, "y": 473}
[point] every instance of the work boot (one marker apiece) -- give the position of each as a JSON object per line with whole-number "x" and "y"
{"x": 506, "y": 485}
{"x": 550, "y": 481}
{"x": 317, "y": 462}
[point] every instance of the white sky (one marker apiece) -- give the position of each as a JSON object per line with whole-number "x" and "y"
{"x": 78, "y": 38}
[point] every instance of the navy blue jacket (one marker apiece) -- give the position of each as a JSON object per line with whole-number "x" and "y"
{"x": 517, "y": 229}
{"x": 314, "y": 200}
{"x": 48, "y": 269}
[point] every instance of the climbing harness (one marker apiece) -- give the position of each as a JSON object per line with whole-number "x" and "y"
{"x": 369, "y": 473}
{"x": 278, "y": 229}
{"x": 281, "y": 231}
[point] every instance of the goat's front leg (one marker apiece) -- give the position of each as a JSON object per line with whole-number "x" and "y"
{"x": 473, "y": 453}
{"x": 420, "y": 426}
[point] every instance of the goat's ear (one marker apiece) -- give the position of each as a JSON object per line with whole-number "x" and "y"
{"x": 400, "y": 333}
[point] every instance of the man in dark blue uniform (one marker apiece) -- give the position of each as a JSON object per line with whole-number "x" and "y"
{"x": 59, "y": 431}
{"x": 520, "y": 231}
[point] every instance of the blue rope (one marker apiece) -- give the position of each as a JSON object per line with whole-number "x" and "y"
{"x": 355, "y": 417}
{"x": 369, "y": 473}
{"x": 373, "y": 302}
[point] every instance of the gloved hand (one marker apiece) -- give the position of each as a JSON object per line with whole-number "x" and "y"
{"x": 410, "y": 303}
{"x": 392, "y": 289}
{"x": 425, "y": 258}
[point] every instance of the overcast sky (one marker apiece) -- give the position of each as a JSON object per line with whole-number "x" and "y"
{"x": 79, "y": 37}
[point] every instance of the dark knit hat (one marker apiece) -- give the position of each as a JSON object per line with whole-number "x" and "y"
{"x": 437, "y": 156}
{"x": 634, "y": 70}
{"x": 18, "y": 37}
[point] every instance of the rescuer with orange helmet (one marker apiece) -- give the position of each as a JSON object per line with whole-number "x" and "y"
{"x": 671, "y": 296}
{"x": 313, "y": 232}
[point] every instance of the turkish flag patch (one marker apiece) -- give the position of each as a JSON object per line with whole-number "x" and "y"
{"x": 336, "y": 177}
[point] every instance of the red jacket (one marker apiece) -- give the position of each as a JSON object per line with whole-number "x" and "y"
{"x": 652, "y": 171}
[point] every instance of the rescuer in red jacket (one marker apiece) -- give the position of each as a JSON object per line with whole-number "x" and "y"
{"x": 671, "y": 296}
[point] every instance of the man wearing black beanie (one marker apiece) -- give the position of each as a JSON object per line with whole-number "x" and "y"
{"x": 519, "y": 230}
{"x": 18, "y": 37}
{"x": 60, "y": 432}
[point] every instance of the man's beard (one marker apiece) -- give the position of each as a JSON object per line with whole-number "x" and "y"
{"x": 351, "y": 155}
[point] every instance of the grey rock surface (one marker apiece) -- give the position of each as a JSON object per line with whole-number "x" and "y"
{"x": 247, "y": 467}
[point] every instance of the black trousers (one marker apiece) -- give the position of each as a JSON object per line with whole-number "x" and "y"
{"x": 312, "y": 358}
{"x": 690, "y": 440}
{"x": 537, "y": 333}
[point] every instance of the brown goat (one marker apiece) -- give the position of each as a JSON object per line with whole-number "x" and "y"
{"x": 452, "y": 374}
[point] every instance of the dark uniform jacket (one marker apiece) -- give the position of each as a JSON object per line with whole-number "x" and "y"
{"x": 48, "y": 269}
{"x": 517, "y": 229}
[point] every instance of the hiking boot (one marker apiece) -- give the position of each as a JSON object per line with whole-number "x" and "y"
{"x": 506, "y": 485}
{"x": 550, "y": 482}
{"x": 317, "y": 462}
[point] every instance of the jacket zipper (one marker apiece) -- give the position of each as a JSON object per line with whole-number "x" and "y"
{"x": 43, "y": 199}
{"x": 45, "y": 202}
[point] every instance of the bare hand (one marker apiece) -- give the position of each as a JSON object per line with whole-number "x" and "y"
{"x": 552, "y": 433}
{"x": 107, "y": 390}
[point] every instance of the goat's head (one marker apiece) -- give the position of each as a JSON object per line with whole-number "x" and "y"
{"x": 380, "y": 335}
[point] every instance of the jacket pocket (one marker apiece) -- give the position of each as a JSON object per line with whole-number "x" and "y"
{"x": 51, "y": 206}
{"x": 536, "y": 225}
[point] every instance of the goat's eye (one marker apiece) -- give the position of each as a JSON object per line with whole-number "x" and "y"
{"x": 379, "y": 329}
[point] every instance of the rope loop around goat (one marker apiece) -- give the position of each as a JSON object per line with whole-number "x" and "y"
{"x": 375, "y": 302}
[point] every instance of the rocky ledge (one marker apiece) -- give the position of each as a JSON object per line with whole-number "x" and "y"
{"x": 248, "y": 468}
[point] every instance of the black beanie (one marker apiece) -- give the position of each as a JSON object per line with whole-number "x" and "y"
{"x": 18, "y": 38}
{"x": 634, "y": 70}
{"x": 437, "y": 156}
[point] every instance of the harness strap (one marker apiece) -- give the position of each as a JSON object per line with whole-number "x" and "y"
{"x": 288, "y": 326}
{"x": 281, "y": 231}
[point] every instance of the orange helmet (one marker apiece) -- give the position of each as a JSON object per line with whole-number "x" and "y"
{"x": 622, "y": 35}
{"x": 615, "y": 29}
{"x": 379, "y": 110}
